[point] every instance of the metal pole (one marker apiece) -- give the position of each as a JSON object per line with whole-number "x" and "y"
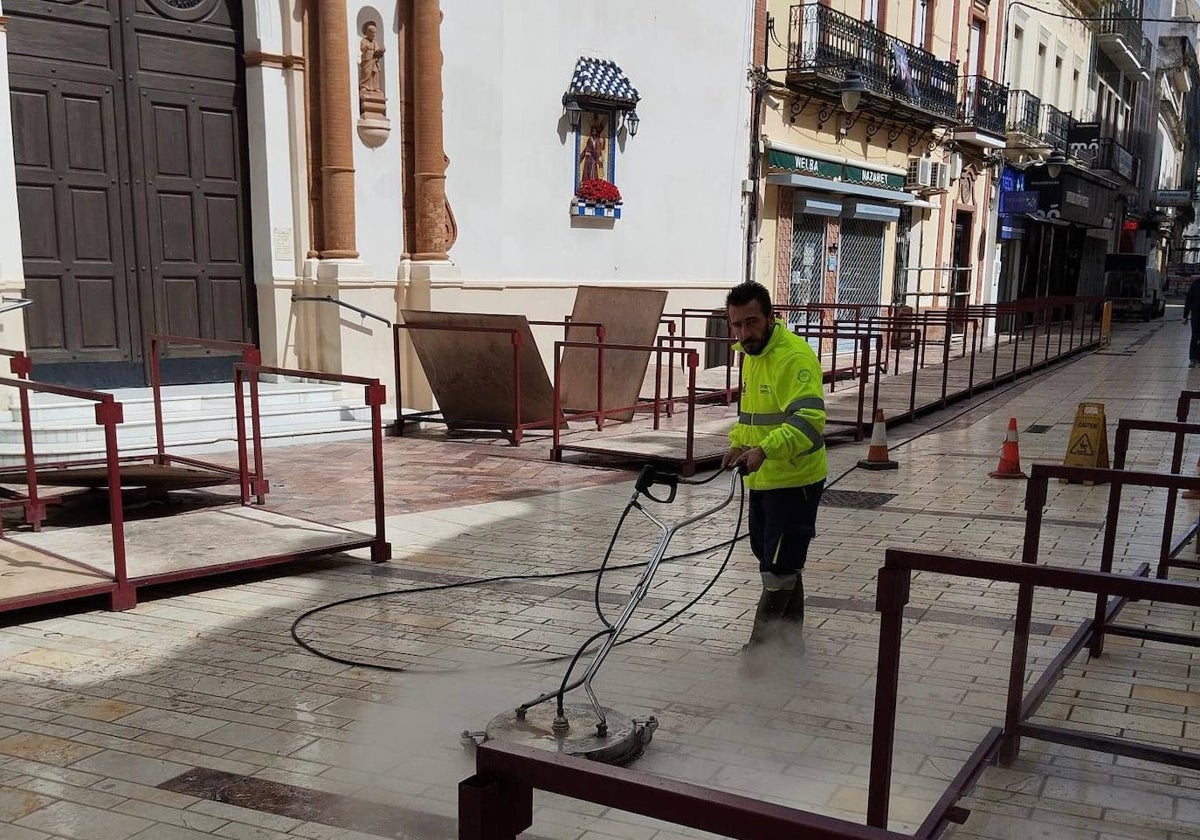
{"x": 1035, "y": 502}
{"x": 516, "y": 342}
{"x": 239, "y": 409}
{"x": 555, "y": 447}
{"x": 376, "y": 396}
{"x": 1096, "y": 646}
{"x": 35, "y": 511}
{"x": 156, "y": 391}
{"x": 892, "y": 596}
{"x": 109, "y": 414}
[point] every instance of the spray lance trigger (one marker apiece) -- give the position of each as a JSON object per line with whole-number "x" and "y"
{"x": 649, "y": 477}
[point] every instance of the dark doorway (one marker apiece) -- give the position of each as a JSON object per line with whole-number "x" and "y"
{"x": 129, "y": 137}
{"x": 961, "y": 270}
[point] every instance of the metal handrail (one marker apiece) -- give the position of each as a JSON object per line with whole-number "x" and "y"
{"x": 365, "y": 313}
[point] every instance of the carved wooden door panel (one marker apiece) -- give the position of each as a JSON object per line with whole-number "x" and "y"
{"x": 69, "y": 195}
{"x": 129, "y": 137}
{"x": 192, "y": 179}
{"x": 68, "y": 111}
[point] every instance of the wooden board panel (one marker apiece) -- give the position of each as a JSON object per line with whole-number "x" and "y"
{"x": 629, "y": 316}
{"x": 471, "y": 373}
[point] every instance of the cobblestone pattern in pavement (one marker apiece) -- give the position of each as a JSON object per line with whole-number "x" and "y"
{"x": 102, "y": 714}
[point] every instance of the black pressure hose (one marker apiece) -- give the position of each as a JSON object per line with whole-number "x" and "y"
{"x": 441, "y": 587}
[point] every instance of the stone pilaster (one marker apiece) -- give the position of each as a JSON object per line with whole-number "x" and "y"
{"x": 433, "y": 224}
{"x": 337, "y": 134}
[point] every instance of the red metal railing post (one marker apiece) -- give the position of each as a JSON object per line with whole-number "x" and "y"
{"x": 239, "y": 408}
{"x": 156, "y": 390}
{"x": 376, "y": 396}
{"x": 600, "y": 387}
{"x": 556, "y": 419}
{"x": 35, "y": 509}
{"x": 482, "y": 811}
{"x": 892, "y": 595}
{"x": 1099, "y": 619}
{"x": 945, "y": 362}
{"x": 658, "y": 380}
{"x": 258, "y": 486}
{"x": 108, "y": 414}
{"x": 516, "y": 342}
{"x": 862, "y": 385}
{"x": 1035, "y": 503}
{"x": 689, "y": 458}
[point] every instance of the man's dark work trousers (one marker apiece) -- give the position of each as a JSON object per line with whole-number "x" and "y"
{"x": 782, "y": 524}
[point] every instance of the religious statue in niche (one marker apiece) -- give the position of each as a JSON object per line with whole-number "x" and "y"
{"x": 372, "y": 102}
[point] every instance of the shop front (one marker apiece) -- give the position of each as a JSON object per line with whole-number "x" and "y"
{"x": 1055, "y": 231}
{"x": 837, "y": 229}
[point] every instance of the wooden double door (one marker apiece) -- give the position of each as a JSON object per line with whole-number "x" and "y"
{"x": 130, "y": 150}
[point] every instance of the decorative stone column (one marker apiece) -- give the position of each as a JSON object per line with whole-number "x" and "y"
{"x": 433, "y": 218}
{"x": 337, "y": 135}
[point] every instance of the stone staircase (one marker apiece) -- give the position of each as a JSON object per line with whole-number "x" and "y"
{"x": 197, "y": 419}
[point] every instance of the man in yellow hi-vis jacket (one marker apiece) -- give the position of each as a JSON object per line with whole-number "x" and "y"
{"x": 779, "y": 441}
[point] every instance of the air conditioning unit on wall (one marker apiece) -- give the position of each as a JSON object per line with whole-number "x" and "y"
{"x": 920, "y": 174}
{"x": 940, "y": 180}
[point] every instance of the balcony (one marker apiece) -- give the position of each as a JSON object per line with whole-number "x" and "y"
{"x": 1055, "y": 127}
{"x": 1024, "y": 118}
{"x": 1112, "y": 157}
{"x": 825, "y": 44}
{"x": 1120, "y": 37}
{"x": 983, "y": 112}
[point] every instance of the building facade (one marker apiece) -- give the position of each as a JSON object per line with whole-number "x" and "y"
{"x": 891, "y": 201}
{"x": 1082, "y": 154}
{"x": 189, "y": 166}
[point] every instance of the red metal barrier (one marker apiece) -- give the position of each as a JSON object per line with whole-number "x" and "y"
{"x": 108, "y": 414}
{"x": 893, "y": 594}
{"x": 655, "y": 405}
{"x": 497, "y": 802}
{"x": 375, "y": 396}
{"x": 250, "y": 355}
{"x": 514, "y": 431}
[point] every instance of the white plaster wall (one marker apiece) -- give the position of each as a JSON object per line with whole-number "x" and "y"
{"x": 510, "y": 179}
{"x": 378, "y": 206}
{"x": 12, "y": 269}
{"x": 275, "y": 137}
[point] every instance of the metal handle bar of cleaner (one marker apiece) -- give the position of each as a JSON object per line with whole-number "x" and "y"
{"x": 646, "y": 480}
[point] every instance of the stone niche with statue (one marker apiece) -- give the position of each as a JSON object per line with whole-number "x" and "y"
{"x": 373, "y": 123}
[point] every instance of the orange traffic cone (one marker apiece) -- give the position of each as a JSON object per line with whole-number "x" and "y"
{"x": 1010, "y": 455}
{"x": 877, "y": 456}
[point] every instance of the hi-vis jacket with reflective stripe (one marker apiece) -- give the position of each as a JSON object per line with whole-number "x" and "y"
{"x": 783, "y": 412}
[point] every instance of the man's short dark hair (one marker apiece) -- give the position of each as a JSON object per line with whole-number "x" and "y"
{"x": 743, "y": 293}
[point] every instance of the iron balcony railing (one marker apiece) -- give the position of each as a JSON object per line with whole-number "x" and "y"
{"x": 1123, "y": 21}
{"x": 984, "y": 105}
{"x": 1024, "y": 113}
{"x": 828, "y": 43}
{"x": 1111, "y": 156}
{"x": 1056, "y": 125}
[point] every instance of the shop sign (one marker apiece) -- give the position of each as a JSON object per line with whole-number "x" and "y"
{"x": 781, "y": 161}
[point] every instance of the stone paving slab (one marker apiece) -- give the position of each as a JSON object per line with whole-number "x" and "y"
{"x": 100, "y": 710}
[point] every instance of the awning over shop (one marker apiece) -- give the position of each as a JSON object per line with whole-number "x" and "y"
{"x": 808, "y": 182}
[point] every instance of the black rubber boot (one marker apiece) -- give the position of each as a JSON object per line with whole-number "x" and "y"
{"x": 794, "y": 612}
{"x": 793, "y": 620}
{"x": 772, "y": 605}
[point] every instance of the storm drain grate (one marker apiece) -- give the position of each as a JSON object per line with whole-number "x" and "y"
{"x": 856, "y": 499}
{"x": 1035, "y": 429}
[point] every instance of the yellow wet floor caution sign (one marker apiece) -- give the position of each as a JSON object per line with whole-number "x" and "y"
{"x": 1088, "y": 445}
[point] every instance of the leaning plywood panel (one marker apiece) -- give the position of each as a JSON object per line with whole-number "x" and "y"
{"x": 470, "y": 369}
{"x": 629, "y": 316}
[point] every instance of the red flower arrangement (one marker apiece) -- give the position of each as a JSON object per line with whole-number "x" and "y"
{"x": 598, "y": 190}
